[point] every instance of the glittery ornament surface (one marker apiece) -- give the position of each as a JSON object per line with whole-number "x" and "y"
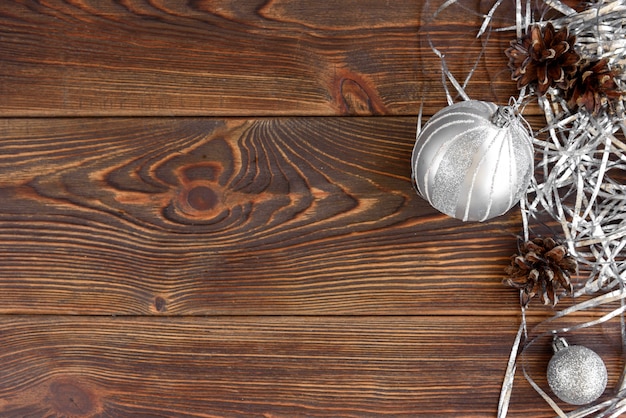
{"x": 468, "y": 167}
{"x": 577, "y": 375}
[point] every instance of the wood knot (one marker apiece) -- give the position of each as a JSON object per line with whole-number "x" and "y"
{"x": 199, "y": 201}
{"x": 160, "y": 304}
{"x": 202, "y": 198}
{"x": 355, "y": 99}
{"x": 357, "y": 95}
{"x": 71, "y": 398}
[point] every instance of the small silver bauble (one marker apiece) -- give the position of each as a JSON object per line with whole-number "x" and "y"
{"x": 576, "y": 374}
{"x": 473, "y": 160}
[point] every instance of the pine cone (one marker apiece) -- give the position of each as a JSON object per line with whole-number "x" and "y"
{"x": 543, "y": 57}
{"x": 543, "y": 267}
{"x": 594, "y": 87}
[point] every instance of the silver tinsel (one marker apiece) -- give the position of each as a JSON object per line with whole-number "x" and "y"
{"x": 575, "y": 186}
{"x": 578, "y": 184}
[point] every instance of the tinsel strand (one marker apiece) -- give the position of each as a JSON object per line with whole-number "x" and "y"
{"x": 577, "y": 154}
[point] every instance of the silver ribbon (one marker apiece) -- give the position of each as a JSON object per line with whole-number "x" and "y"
{"x": 577, "y": 153}
{"x": 574, "y": 189}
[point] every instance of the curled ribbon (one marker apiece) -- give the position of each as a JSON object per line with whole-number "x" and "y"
{"x": 574, "y": 186}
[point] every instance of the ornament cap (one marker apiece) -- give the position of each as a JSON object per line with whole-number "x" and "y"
{"x": 559, "y": 343}
{"x": 503, "y": 116}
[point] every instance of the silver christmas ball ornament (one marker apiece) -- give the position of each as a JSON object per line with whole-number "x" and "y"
{"x": 576, "y": 374}
{"x": 473, "y": 160}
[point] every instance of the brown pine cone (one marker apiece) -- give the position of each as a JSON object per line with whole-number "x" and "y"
{"x": 543, "y": 57}
{"x": 594, "y": 87}
{"x": 543, "y": 267}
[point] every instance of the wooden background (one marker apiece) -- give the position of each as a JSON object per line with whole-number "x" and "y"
{"x": 207, "y": 211}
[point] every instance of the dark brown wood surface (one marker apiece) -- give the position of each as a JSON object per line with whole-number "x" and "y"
{"x": 207, "y": 211}
{"x": 233, "y": 58}
{"x": 312, "y": 366}
{"x": 211, "y": 216}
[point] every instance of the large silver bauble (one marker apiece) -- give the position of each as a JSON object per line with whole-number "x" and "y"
{"x": 576, "y": 374}
{"x": 473, "y": 160}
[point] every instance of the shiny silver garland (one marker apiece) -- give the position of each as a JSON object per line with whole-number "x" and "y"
{"x": 575, "y": 186}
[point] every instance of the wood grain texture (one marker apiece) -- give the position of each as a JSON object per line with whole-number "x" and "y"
{"x": 188, "y": 230}
{"x": 243, "y": 58}
{"x": 237, "y": 216}
{"x": 268, "y": 366}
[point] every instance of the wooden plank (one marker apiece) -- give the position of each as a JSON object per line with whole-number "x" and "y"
{"x": 270, "y": 366}
{"x": 244, "y": 58}
{"x": 235, "y": 216}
